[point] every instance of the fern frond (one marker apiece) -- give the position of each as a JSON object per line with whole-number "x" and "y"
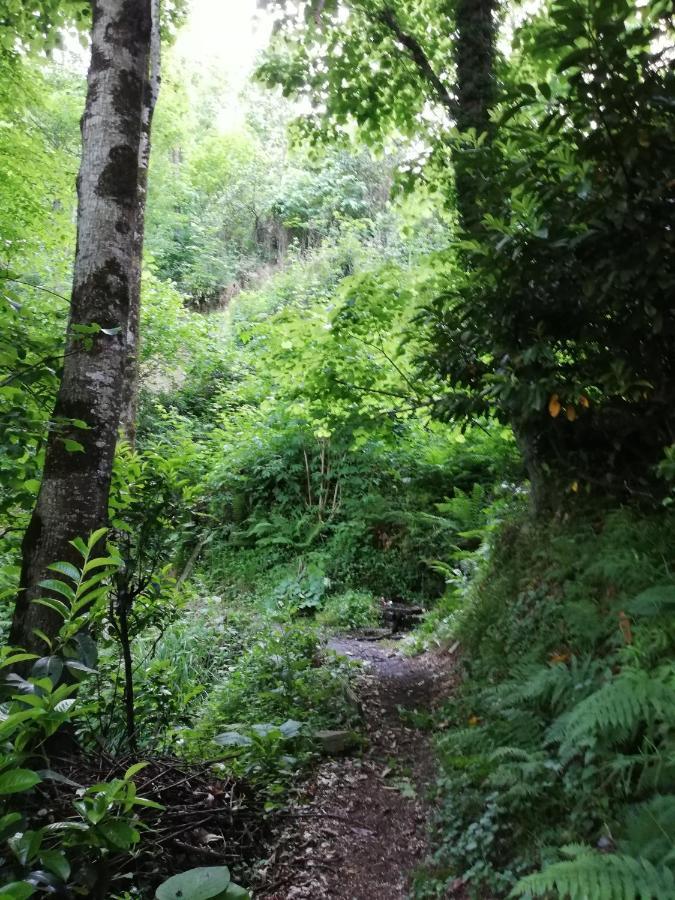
{"x": 616, "y": 709}
{"x": 594, "y": 876}
{"x": 649, "y": 830}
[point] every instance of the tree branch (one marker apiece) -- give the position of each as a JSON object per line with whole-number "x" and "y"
{"x": 418, "y": 56}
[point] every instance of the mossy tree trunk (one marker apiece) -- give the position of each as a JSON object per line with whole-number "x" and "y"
{"x": 73, "y": 497}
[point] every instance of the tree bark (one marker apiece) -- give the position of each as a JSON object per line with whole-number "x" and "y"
{"x": 73, "y": 497}
{"x": 131, "y": 372}
{"x": 475, "y": 51}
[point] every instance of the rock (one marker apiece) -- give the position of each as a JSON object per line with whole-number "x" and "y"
{"x": 400, "y": 616}
{"x": 335, "y": 743}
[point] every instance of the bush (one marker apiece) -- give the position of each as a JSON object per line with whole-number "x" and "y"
{"x": 351, "y": 609}
{"x": 278, "y": 677}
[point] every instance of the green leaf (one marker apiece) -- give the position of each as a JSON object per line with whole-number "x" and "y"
{"x": 9, "y": 726}
{"x": 50, "y": 775}
{"x": 56, "y": 863}
{"x": 17, "y": 890}
{"x": 25, "y": 845}
{"x": 576, "y": 57}
{"x": 56, "y": 605}
{"x": 18, "y": 781}
{"x": 119, "y": 833}
{"x": 197, "y": 884}
{"x": 101, "y": 561}
{"x": 79, "y": 545}
{"x": 134, "y": 770}
{"x": 38, "y": 632}
{"x": 67, "y": 569}
{"x": 147, "y": 804}
{"x": 291, "y": 728}
{"x": 236, "y": 892}
{"x": 95, "y": 537}
{"x": 59, "y": 587}
{"x": 7, "y": 822}
{"x": 76, "y": 666}
{"x": 73, "y": 446}
{"x": 87, "y": 650}
{"x": 17, "y": 658}
{"x": 655, "y": 601}
{"x": 48, "y": 667}
{"x": 232, "y": 739}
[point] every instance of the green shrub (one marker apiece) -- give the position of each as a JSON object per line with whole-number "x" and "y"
{"x": 351, "y": 609}
{"x": 66, "y": 856}
{"x": 278, "y": 677}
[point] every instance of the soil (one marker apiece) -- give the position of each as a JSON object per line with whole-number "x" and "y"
{"x": 359, "y": 829}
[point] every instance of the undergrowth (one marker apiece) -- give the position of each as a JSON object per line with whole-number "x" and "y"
{"x": 557, "y": 756}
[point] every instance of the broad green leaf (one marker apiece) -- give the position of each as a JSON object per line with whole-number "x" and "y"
{"x": 232, "y": 739}
{"x": 76, "y": 666}
{"x": 48, "y": 667}
{"x": 17, "y": 890}
{"x": 119, "y": 833}
{"x": 56, "y": 862}
{"x": 290, "y": 728}
{"x": 8, "y": 821}
{"x": 17, "y": 658}
{"x": 18, "y": 781}
{"x": 197, "y": 884}
{"x": 235, "y": 892}
{"x": 9, "y": 725}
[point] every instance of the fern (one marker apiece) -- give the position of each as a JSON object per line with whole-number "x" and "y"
{"x": 654, "y": 602}
{"x": 649, "y": 830}
{"x": 521, "y": 775}
{"x": 594, "y": 876}
{"x": 616, "y": 709}
{"x": 550, "y": 685}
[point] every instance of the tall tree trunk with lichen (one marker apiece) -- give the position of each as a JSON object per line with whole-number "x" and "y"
{"x": 131, "y": 370}
{"x": 73, "y": 496}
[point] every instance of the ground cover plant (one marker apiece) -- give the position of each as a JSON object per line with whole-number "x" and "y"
{"x": 556, "y": 754}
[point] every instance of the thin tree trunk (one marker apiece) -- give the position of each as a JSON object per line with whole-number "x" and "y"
{"x": 125, "y": 604}
{"x": 131, "y": 373}
{"x": 73, "y": 497}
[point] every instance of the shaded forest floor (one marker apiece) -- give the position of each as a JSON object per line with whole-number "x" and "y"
{"x": 358, "y": 829}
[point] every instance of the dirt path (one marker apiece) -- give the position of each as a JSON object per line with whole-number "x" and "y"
{"x": 361, "y": 829}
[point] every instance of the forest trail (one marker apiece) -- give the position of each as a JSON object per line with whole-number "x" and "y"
{"x": 359, "y": 828}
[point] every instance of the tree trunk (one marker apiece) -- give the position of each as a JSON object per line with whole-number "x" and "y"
{"x": 73, "y": 497}
{"x": 475, "y": 62}
{"x": 131, "y": 372}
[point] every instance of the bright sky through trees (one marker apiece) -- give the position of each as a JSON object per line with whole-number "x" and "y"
{"x": 226, "y": 35}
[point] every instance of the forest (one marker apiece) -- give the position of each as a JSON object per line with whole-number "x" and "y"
{"x": 337, "y": 449}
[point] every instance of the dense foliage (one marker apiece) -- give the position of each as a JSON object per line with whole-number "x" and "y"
{"x": 407, "y": 335}
{"x": 557, "y": 753}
